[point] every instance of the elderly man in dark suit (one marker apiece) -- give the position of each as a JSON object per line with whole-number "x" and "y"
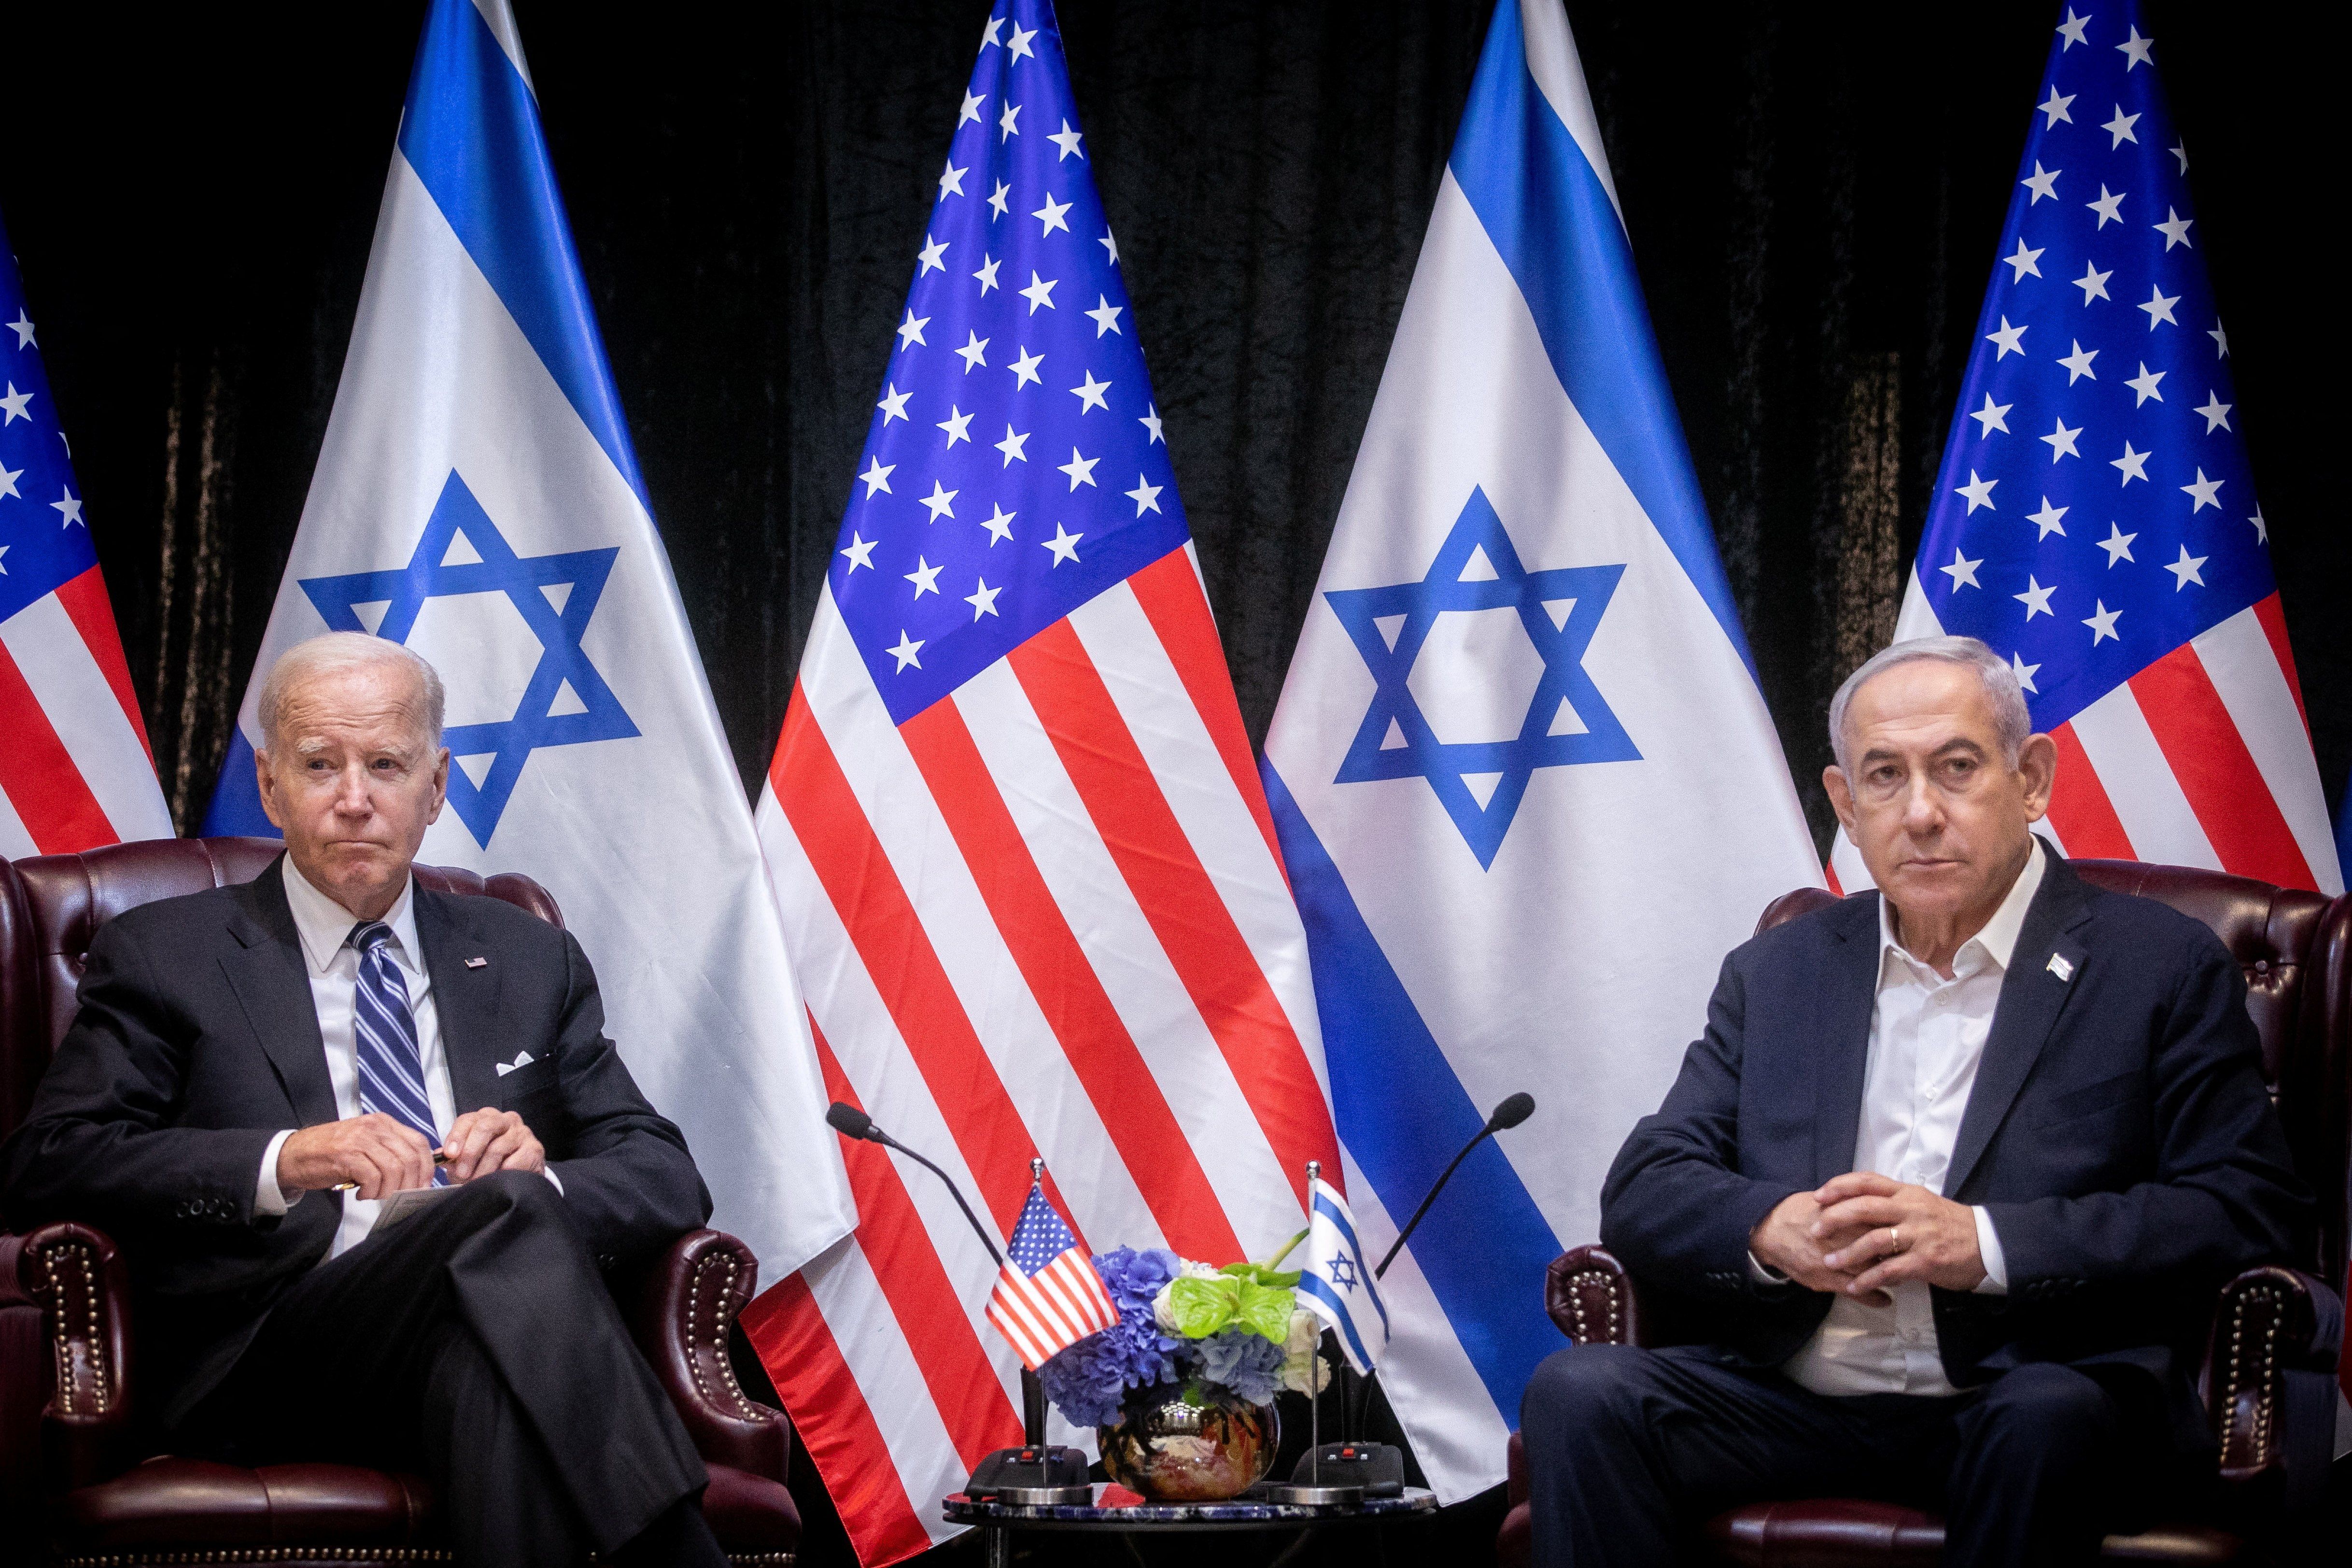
{"x": 253, "y": 1073}
{"x": 1947, "y": 1186}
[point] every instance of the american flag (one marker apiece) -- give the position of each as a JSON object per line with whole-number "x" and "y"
{"x": 2096, "y": 520}
{"x": 75, "y": 768}
{"x": 1047, "y": 1296}
{"x": 1028, "y": 873}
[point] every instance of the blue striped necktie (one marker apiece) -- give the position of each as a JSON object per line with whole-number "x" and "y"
{"x": 391, "y": 1068}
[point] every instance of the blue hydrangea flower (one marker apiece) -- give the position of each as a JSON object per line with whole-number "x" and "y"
{"x": 1249, "y": 1363}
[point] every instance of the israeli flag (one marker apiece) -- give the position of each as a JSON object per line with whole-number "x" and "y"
{"x": 1525, "y": 783}
{"x": 476, "y": 499}
{"x": 1336, "y": 1283}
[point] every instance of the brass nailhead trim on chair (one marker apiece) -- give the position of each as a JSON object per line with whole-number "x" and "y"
{"x": 1598, "y": 1279}
{"x": 68, "y": 1381}
{"x": 721, "y": 1318}
{"x": 2273, "y": 1299}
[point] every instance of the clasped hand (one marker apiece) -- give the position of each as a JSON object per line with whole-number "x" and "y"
{"x": 383, "y": 1156}
{"x": 1862, "y": 1232}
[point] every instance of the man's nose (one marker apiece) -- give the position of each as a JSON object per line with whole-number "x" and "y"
{"x": 352, "y": 793}
{"x": 1923, "y": 808}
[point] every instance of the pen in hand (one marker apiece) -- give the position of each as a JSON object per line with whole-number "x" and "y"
{"x": 438, "y": 1158}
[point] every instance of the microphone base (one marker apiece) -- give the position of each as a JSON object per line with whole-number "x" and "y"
{"x": 1377, "y": 1469}
{"x": 1033, "y": 1475}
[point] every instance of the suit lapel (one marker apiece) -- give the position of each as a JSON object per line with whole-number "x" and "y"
{"x": 2032, "y": 995}
{"x": 467, "y": 1000}
{"x": 272, "y": 982}
{"x": 1853, "y": 991}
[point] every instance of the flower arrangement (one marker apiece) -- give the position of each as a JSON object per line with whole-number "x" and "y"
{"x": 1235, "y": 1332}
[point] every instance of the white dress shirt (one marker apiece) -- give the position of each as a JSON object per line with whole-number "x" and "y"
{"x": 1927, "y": 1038}
{"x": 325, "y": 927}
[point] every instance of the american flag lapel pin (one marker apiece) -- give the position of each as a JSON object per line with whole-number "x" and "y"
{"x": 2060, "y": 967}
{"x": 478, "y": 963}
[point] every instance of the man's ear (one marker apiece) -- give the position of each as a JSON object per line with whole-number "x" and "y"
{"x": 440, "y": 787}
{"x": 2037, "y": 763}
{"x": 1841, "y": 796}
{"x": 264, "y": 782}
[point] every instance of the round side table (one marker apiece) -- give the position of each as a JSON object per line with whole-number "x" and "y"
{"x": 1113, "y": 1510}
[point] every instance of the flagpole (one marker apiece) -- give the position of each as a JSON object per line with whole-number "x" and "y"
{"x": 1315, "y": 1373}
{"x": 1032, "y": 1390}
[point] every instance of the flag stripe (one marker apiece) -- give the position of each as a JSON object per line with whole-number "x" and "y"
{"x": 2217, "y": 774}
{"x": 1220, "y": 971}
{"x": 2272, "y": 616}
{"x": 909, "y": 824}
{"x": 2243, "y": 666}
{"x": 1177, "y": 605}
{"x": 954, "y": 1367}
{"x": 1552, "y": 219}
{"x": 1160, "y": 716}
{"x": 2156, "y": 816}
{"x": 1404, "y": 1106}
{"x": 85, "y": 602}
{"x": 788, "y": 1330}
{"x": 1136, "y": 972}
{"x": 47, "y": 790}
{"x": 108, "y": 752}
{"x": 2079, "y": 807}
{"x": 1092, "y": 1036}
{"x": 873, "y": 906}
{"x": 476, "y": 146}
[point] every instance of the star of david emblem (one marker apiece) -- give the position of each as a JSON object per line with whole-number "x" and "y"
{"x": 1343, "y": 1273}
{"x": 566, "y": 702}
{"x": 1481, "y": 783}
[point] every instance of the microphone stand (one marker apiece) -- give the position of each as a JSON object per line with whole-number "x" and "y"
{"x": 1379, "y": 1466}
{"x": 1034, "y": 1473}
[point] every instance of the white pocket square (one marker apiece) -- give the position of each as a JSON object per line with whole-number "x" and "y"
{"x": 522, "y": 1059}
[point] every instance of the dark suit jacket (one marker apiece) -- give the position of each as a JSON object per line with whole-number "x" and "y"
{"x": 197, "y": 1041}
{"x": 2118, "y": 1135}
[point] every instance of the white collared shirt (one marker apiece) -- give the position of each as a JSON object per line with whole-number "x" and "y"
{"x": 325, "y": 928}
{"x": 1927, "y": 1039}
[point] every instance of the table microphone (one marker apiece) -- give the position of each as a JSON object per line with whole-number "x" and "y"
{"x": 1035, "y": 1472}
{"x": 1508, "y": 1115}
{"x": 1379, "y": 1468}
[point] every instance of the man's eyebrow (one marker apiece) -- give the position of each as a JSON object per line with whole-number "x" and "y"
{"x": 1957, "y": 743}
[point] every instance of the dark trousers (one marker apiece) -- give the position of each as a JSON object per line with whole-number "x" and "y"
{"x": 475, "y": 1341}
{"x": 1628, "y": 1450}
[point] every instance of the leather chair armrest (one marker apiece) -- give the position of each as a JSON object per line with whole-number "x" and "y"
{"x": 2262, "y": 1325}
{"x": 83, "y": 1289}
{"x": 1591, "y": 1297}
{"x": 682, "y": 1315}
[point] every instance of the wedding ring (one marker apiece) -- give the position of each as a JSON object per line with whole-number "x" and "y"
{"x": 1894, "y": 1239}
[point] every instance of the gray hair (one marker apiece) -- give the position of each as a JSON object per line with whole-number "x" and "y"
{"x": 333, "y": 651}
{"x": 2011, "y": 720}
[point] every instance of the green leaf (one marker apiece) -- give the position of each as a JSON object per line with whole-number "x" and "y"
{"x": 1201, "y": 1307}
{"x": 1265, "y": 1310}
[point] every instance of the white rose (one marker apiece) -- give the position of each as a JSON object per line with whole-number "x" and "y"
{"x": 1302, "y": 1371}
{"x": 1161, "y": 1312}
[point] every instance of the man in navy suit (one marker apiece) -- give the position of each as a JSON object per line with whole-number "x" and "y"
{"x": 1946, "y": 1188}
{"x": 255, "y": 1069}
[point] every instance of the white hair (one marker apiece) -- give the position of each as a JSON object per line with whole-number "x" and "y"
{"x": 2012, "y": 722}
{"x": 333, "y": 651}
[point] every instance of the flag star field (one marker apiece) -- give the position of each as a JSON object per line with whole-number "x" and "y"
{"x": 1015, "y": 467}
{"x": 2096, "y": 508}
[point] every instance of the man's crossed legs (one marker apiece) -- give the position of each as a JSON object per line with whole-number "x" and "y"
{"x": 476, "y": 1340}
{"x": 1630, "y": 1450}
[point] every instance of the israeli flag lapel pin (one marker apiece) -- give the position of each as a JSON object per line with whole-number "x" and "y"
{"x": 2061, "y": 967}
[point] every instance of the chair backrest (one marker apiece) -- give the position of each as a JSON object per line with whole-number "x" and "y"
{"x": 2296, "y": 948}
{"x": 51, "y": 905}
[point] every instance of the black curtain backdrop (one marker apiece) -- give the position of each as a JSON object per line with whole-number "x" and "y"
{"x": 1814, "y": 192}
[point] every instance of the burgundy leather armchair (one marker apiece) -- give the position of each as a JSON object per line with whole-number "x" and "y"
{"x": 71, "y": 1444}
{"x": 2297, "y": 952}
